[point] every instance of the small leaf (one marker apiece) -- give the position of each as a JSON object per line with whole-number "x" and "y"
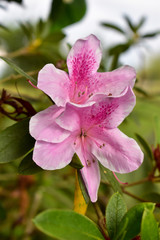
{"x": 149, "y": 227}
{"x": 83, "y": 187}
{"x": 64, "y": 13}
{"x": 140, "y": 90}
{"x": 113, "y": 26}
{"x": 145, "y": 145}
{"x": 130, "y": 24}
{"x": 150, "y": 35}
{"x": 133, "y": 219}
{"x": 107, "y": 175}
{"x": 140, "y": 24}
{"x": 18, "y": 69}
{"x": 15, "y": 141}
{"x": 76, "y": 162}
{"x": 28, "y": 166}
{"x": 67, "y": 225}
{"x": 115, "y": 211}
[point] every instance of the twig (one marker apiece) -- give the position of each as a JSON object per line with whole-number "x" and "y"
{"x": 101, "y": 220}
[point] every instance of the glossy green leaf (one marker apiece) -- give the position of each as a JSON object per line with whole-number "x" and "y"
{"x": 15, "y": 141}
{"x": 149, "y": 226}
{"x": 132, "y": 221}
{"x": 115, "y": 211}
{"x": 107, "y": 175}
{"x": 28, "y": 166}
{"x": 76, "y": 162}
{"x": 18, "y": 69}
{"x": 145, "y": 146}
{"x": 83, "y": 187}
{"x": 67, "y": 225}
{"x": 64, "y": 13}
{"x": 113, "y": 26}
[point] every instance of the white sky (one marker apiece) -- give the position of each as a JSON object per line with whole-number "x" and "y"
{"x": 98, "y": 10}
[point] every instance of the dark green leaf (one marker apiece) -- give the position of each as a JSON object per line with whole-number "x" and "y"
{"x": 140, "y": 90}
{"x": 67, "y": 225}
{"x": 130, "y": 24}
{"x": 2, "y": 213}
{"x": 17, "y": 1}
{"x": 107, "y": 175}
{"x": 151, "y": 34}
{"x": 115, "y": 211}
{"x": 113, "y": 26}
{"x": 64, "y": 13}
{"x": 120, "y": 48}
{"x": 83, "y": 187}
{"x": 149, "y": 226}
{"x": 15, "y": 141}
{"x": 18, "y": 69}
{"x": 145, "y": 145}
{"x": 133, "y": 219}
{"x": 76, "y": 162}
{"x": 152, "y": 197}
{"x": 28, "y": 166}
{"x": 141, "y": 22}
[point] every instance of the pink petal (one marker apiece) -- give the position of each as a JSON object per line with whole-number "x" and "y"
{"x": 83, "y": 61}
{"x": 109, "y": 112}
{"x": 115, "y": 150}
{"x": 43, "y": 127}
{"x": 90, "y": 172}
{"x": 55, "y": 83}
{"x": 70, "y": 119}
{"x": 115, "y": 82}
{"x": 51, "y": 156}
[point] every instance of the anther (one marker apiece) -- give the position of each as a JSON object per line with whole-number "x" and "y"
{"x": 88, "y": 163}
{"x": 90, "y": 95}
{"x": 103, "y": 145}
{"x": 79, "y": 94}
{"x": 83, "y": 92}
{"x": 110, "y": 94}
{"x": 93, "y": 160}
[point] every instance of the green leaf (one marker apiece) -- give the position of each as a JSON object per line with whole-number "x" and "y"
{"x": 66, "y": 12}
{"x": 152, "y": 197}
{"x": 140, "y": 24}
{"x": 3, "y": 27}
{"x": 113, "y": 26}
{"x": 76, "y": 162}
{"x": 151, "y": 34}
{"x": 15, "y": 141}
{"x": 120, "y": 48}
{"x": 115, "y": 211}
{"x": 157, "y": 129}
{"x": 107, "y": 175}
{"x": 83, "y": 187}
{"x": 2, "y": 213}
{"x": 130, "y": 24}
{"x": 67, "y": 225}
{"x": 149, "y": 227}
{"x": 28, "y": 166}
{"x": 18, "y": 69}
{"x": 133, "y": 219}
{"x": 145, "y": 145}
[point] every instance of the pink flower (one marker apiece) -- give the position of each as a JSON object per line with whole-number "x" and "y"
{"x": 83, "y": 81}
{"x": 91, "y": 132}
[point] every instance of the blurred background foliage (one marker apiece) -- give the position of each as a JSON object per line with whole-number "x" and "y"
{"x": 31, "y": 46}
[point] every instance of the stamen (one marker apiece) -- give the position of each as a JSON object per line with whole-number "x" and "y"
{"x": 32, "y": 84}
{"x": 118, "y": 179}
{"x": 98, "y": 145}
{"x": 90, "y": 95}
{"x": 88, "y": 163}
{"x": 110, "y": 94}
